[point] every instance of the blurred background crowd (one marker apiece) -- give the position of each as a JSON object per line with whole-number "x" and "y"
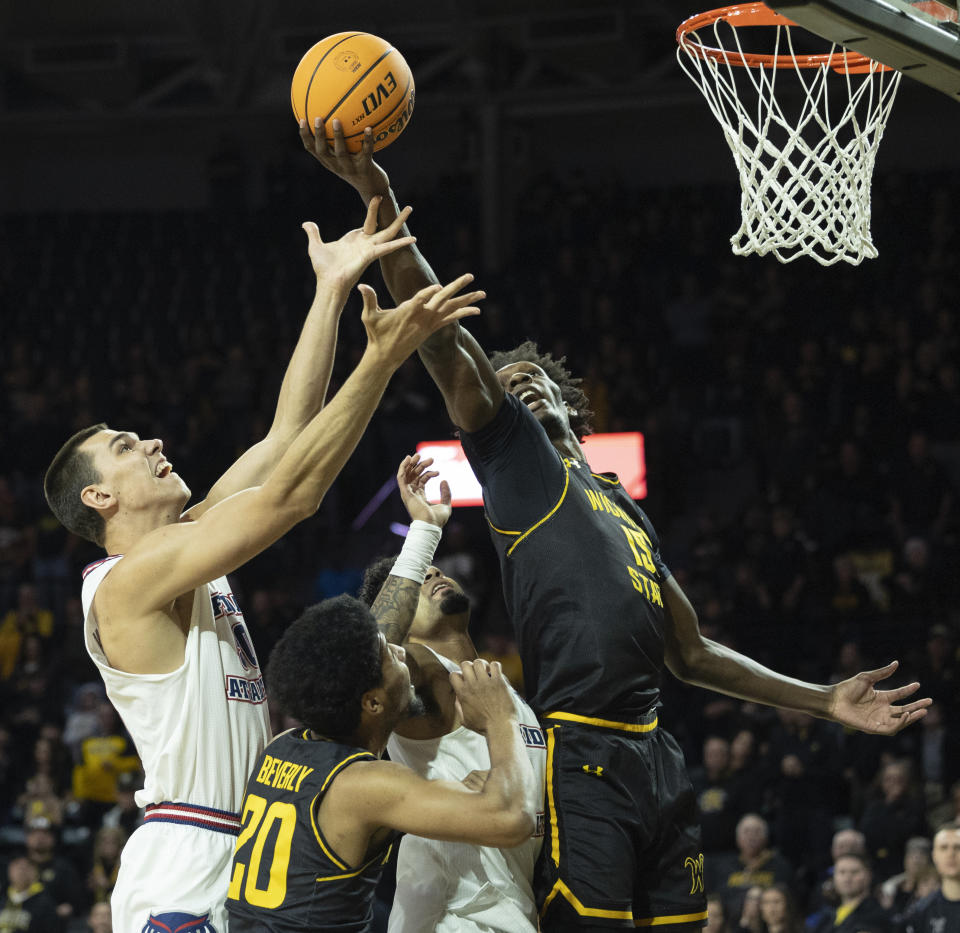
{"x": 802, "y": 437}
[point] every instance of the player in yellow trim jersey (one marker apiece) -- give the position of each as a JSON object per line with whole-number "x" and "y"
{"x": 598, "y": 617}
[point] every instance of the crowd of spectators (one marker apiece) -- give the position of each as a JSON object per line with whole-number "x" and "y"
{"x": 802, "y": 436}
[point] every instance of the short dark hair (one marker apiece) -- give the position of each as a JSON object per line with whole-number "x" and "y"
{"x": 528, "y": 352}
{"x": 324, "y": 663}
{"x": 69, "y": 473}
{"x": 374, "y": 577}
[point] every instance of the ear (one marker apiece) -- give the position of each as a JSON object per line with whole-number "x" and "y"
{"x": 371, "y": 702}
{"x": 97, "y": 498}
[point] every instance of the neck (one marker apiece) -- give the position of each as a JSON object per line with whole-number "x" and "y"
{"x": 368, "y": 737}
{"x": 950, "y": 888}
{"x": 853, "y": 901}
{"x": 450, "y": 640}
{"x": 119, "y": 539}
{"x": 568, "y": 446}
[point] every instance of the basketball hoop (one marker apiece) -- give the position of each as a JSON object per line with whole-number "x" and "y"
{"x": 804, "y": 177}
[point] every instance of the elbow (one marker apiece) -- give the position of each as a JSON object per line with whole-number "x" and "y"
{"x": 288, "y": 507}
{"x": 523, "y": 826}
{"x": 685, "y": 661}
{"x": 513, "y": 827}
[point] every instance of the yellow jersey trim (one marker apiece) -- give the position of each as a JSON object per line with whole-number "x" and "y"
{"x": 571, "y": 898}
{"x": 561, "y": 888}
{"x": 501, "y": 531}
{"x": 533, "y": 528}
{"x": 605, "y": 723}
{"x": 320, "y": 839}
{"x": 361, "y": 869}
{"x": 675, "y": 918}
{"x": 337, "y": 767}
{"x": 551, "y": 803}
{"x": 313, "y": 815}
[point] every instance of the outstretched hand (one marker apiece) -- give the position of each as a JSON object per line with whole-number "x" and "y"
{"x": 858, "y": 704}
{"x": 397, "y": 333}
{"x": 342, "y": 262}
{"x": 412, "y": 478}
{"x": 356, "y": 168}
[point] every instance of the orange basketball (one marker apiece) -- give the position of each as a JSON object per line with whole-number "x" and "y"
{"x": 359, "y": 79}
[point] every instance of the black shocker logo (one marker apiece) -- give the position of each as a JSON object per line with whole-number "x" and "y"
{"x": 696, "y": 873}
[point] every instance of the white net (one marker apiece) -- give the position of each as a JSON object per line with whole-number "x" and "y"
{"x": 804, "y": 176}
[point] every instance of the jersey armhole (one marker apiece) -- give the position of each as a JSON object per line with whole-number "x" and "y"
{"x": 315, "y": 807}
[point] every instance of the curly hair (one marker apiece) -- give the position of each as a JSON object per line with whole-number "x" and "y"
{"x": 324, "y": 663}
{"x": 528, "y": 352}
{"x": 374, "y": 577}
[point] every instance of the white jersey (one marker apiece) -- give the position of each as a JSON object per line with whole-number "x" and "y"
{"x": 199, "y": 729}
{"x": 452, "y": 886}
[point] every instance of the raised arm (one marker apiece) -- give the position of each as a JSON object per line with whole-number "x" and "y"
{"x": 455, "y": 360}
{"x": 337, "y": 267}
{"x": 396, "y": 603}
{"x": 177, "y": 558}
{"x": 855, "y": 703}
{"x": 501, "y": 813}
{"x": 407, "y": 271}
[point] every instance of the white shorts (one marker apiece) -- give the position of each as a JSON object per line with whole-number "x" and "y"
{"x": 173, "y": 877}
{"x": 445, "y": 888}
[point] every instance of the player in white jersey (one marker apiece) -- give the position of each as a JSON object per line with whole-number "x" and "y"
{"x": 452, "y": 887}
{"x": 161, "y": 623}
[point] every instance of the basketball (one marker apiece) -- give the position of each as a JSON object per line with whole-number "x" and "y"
{"x": 361, "y": 80}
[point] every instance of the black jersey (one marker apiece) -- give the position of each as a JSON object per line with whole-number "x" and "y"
{"x": 285, "y": 875}
{"x": 934, "y": 914}
{"x": 582, "y": 572}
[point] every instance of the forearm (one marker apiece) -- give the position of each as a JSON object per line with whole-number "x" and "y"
{"x": 396, "y": 603}
{"x": 461, "y": 370}
{"x": 305, "y": 382}
{"x": 724, "y": 670}
{"x": 406, "y": 271}
{"x": 315, "y": 457}
{"x": 508, "y": 788}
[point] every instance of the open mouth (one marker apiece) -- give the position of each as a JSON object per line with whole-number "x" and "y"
{"x": 440, "y": 589}
{"x": 164, "y": 468}
{"x": 530, "y": 399}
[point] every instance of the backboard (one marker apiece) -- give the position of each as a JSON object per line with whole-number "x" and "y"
{"x": 920, "y": 39}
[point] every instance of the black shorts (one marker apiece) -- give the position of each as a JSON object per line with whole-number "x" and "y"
{"x": 622, "y": 841}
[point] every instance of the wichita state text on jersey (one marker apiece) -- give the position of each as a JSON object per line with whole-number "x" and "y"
{"x": 582, "y": 573}
{"x": 285, "y": 874}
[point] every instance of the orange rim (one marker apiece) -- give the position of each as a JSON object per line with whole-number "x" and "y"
{"x": 759, "y": 14}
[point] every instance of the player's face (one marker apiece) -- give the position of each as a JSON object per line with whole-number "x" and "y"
{"x": 440, "y": 596}
{"x": 135, "y": 471}
{"x": 532, "y": 386}
{"x": 397, "y": 688}
{"x": 946, "y": 853}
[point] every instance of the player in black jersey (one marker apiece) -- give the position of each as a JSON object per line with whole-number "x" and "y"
{"x": 321, "y": 810}
{"x": 598, "y": 616}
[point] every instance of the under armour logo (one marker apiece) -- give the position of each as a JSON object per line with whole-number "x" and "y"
{"x": 598, "y": 770}
{"x": 696, "y": 873}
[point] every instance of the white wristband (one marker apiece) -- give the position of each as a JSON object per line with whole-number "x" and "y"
{"x": 416, "y": 555}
